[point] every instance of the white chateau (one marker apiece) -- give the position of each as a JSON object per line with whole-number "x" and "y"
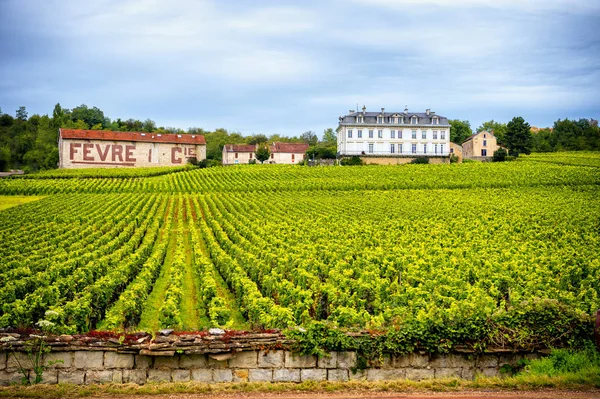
{"x": 389, "y": 134}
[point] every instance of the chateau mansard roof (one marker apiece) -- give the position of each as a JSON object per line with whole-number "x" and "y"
{"x": 370, "y": 118}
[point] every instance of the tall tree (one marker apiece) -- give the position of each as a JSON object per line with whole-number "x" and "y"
{"x": 329, "y": 137}
{"x": 518, "y": 137}
{"x": 257, "y": 139}
{"x": 263, "y": 153}
{"x": 459, "y": 130}
{"x": 498, "y": 128}
{"x": 21, "y": 114}
{"x": 309, "y": 137}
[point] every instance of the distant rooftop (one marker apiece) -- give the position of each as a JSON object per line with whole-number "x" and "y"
{"x": 131, "y": 136}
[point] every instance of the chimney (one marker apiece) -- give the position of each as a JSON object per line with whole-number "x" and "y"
{"x": 406, "y": 109}
{"x": 364, "y": 108}
{"x": 427, "y": 111}
{"x": 382, "y": 110}
{"x": 351, "y": 111}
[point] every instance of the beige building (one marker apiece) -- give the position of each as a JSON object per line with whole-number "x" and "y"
{"x": 457, "y": 150}
{"x": 480, "y": 145}
{"x": 108, "y": 149}
{"x": 287, "y": 153}
{"x": 234, "y": 154}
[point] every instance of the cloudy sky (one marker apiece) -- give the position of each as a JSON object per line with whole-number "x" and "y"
{"x": 290, "y": 66}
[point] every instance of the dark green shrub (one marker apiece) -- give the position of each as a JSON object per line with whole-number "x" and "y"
{"x": 499, "y": 155}
{"x": 420, "y": 160}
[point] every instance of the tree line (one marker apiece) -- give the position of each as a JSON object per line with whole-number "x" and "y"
{"x": 31, "y": 142}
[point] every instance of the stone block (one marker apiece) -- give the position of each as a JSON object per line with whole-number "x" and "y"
{"x": 98, "y": 376}
{"x": 461, "y": 361}
{"x": 113, "y": 360}
{"x": 246, "y": 359}
{"x": 255, "y": 375}
{"x": 415, "y": 374}
{"x": 76, "y": 377}
{"x": 298, "y": 360}
{"x": 286, "y": 375}
{"x": 485, "y": 361}
{"x": 192, "y": 361}
{"x": 88, "y": 360}
{"x": 143, "y": 362}
{"x": 401, "y": 361}
{"x": 163, "y": 375}
{"x": 313, "y": 374}
{"x": 202, "y": 375}
{"x": 163, "y": 363}
{"x": 180, "y": 375}
{"x": 240, "y": 375}
{"x": 468, "y": 374}
{"x": 134, "y": 376}
{"x": 385, "y": 374}
{"x": 489, "y": 372}
{"x": 222, "y": 375}
{"x": 418, "y": 360}
{"x": 16, "y": 360}
{"x": 337, "y": 375}
{"x": 440, "y": 361}
{"x": 270, "y": 359}
{"x": 50, "y": 377}
{"x": 359, "y": 375}
{"x": 532, "y": 356}
{"x": 328, "y": 362}
{"x": 60, "y": 360}
{"x": 217, "y": 364}
{"x": 10, "y": 377}
{"x": 346, "y": 360}
{"x": 117, "y": 376}
{"x": 2, "y": 360}
{"x": 454, "y": 372}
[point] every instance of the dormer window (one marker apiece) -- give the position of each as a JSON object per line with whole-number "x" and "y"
{"x": 359, "y": 119}
{"x": 380, "y": 119}
{"x": 414, "y": 120}
{"x": 435, "y": 120}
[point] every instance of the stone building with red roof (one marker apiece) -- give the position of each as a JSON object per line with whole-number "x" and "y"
{"x": 287, "y": 153}
{"x": 107, "y": 149}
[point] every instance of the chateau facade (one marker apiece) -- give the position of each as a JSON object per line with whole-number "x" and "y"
{"x": 392, "y": 134}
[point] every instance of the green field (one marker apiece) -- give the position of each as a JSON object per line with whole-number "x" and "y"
{"x": 458, "y": 251}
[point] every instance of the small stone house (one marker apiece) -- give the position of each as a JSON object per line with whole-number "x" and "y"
{"x": 234, "y": 154}
{"x": 480, "y": 145}
{"x": 287, "y": 153}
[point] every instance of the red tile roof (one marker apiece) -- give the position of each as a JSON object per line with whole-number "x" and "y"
{"x": 294, "y": 148}
{"x": 240, "y": 148}
{"x": 132, "y": 136}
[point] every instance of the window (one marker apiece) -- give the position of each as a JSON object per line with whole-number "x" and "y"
{"x": 414, "y": 120}
{"x": 485, "y": 143}
{"x": 380, "y": 134}
{"x": 414, "y": 148}
{"x": 435, "y": 148}
{"x": 423, "y": 134}
{"x": 391, "y": 119}
{"x": 400, "y": 148}
{"x": 293, "y": 157}
{"x": 380, "y": 119}
{"x": 236, "y": 155}
{"x": 251, "y": 155}
{"x": 349, "y": 134}
{"x": 370, "y": 148}
{"x": 441, "y": 149}
{"x": 484, "y": 152}
{"x": 424, "y": 148}
{"x": 370, "y": 134}
{"x": 237, "y": 161}
{"x": 435, "y": 134}
{"x": 359, "y": 119}
{"x": 399, "y": 134}
{"x": 272, "y": 156}
{"x": 414, "y": 134}
{"x": 435, "y": 120}
{"x": 443, "y": 135}
{"x": 392, "y": 148}
{"x": 360, "y": 134}
{"x": 484, "y": 136}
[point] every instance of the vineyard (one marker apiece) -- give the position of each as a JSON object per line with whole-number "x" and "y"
{"x": 450, "y": 249}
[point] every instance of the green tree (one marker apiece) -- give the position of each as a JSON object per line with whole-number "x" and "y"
{"x": 21, "y": 114}
{"x": 518, "y": 137}
{"x": 459, "y": 130}
{"x": 329, "y": 137}
{"x": 498, "y": 128}
{"x": 263, "y": 153}
{"x": 257, "y": 139}
{"x": 309, "y": 137}
{"x": 91, "y": 116}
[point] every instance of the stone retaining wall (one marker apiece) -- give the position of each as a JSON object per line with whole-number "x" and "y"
{"x": 104, "y": 366}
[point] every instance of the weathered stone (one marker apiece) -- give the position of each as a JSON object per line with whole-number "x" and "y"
{"x": 220, "y": 356}
{"x": 166, "y": 332}
{"x": 286, "y": 375}
{"x": 460, "y": 361}
{"x": 415, "y": 374}
{"x": 146, "y": 352}
{"x": 222, "y": 375}
{"x": 117, "y": 376}
{"x": 337, "y": 375}
{"x": 489, "y": 372}
{"x": 143, "y": 362}
{"x": 180, "y": 375}
{"x": 313, "y": 374}
{"x": 192, "y": 361}
{"x": 217, "y": 364}
{"x": 255, "y": 375}
{"x": 385, "y": 374}
{"x": 10, "y": 377}
{"x": 468, "y": 373}
{"x": 166, "y": 362}
{"x": 358, "y": 375}
{"x": 17, "y": 360}
{"x": 59, "y": 360}
{"x": 171, "y": 339}
{"x": 245, "y": 359}
{"x": 271, "y": 359}
{"x": 202, "y": 375}
{"x": 216, "y": 331}
{"x": 76, "y": 377}
{"x": 134, "y": 376}
{"x": 240, "y": 375}
{"x": 386, "y": 362}
{"x": 454, "y": 372}
{"x": 113, "y": 360}
{"x": 88, "y": 360}
{"x": 98, "y": 376}
{"x": 2, "y": 360}
{"x": 411, "y": 360}
{"x": 346, "y": 360}
{"x": 159, "y": 375}
{"x": 293, "y": 359}
{"x": 328, "y": 362}
{"x": 50, "y": 377}
{"x": 487, "y": 361}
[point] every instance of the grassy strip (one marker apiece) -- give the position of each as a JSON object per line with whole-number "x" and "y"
{"x": 189, "y": 307}
{"x": 8, "y": 201}
{"x": 522, "y": 383}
